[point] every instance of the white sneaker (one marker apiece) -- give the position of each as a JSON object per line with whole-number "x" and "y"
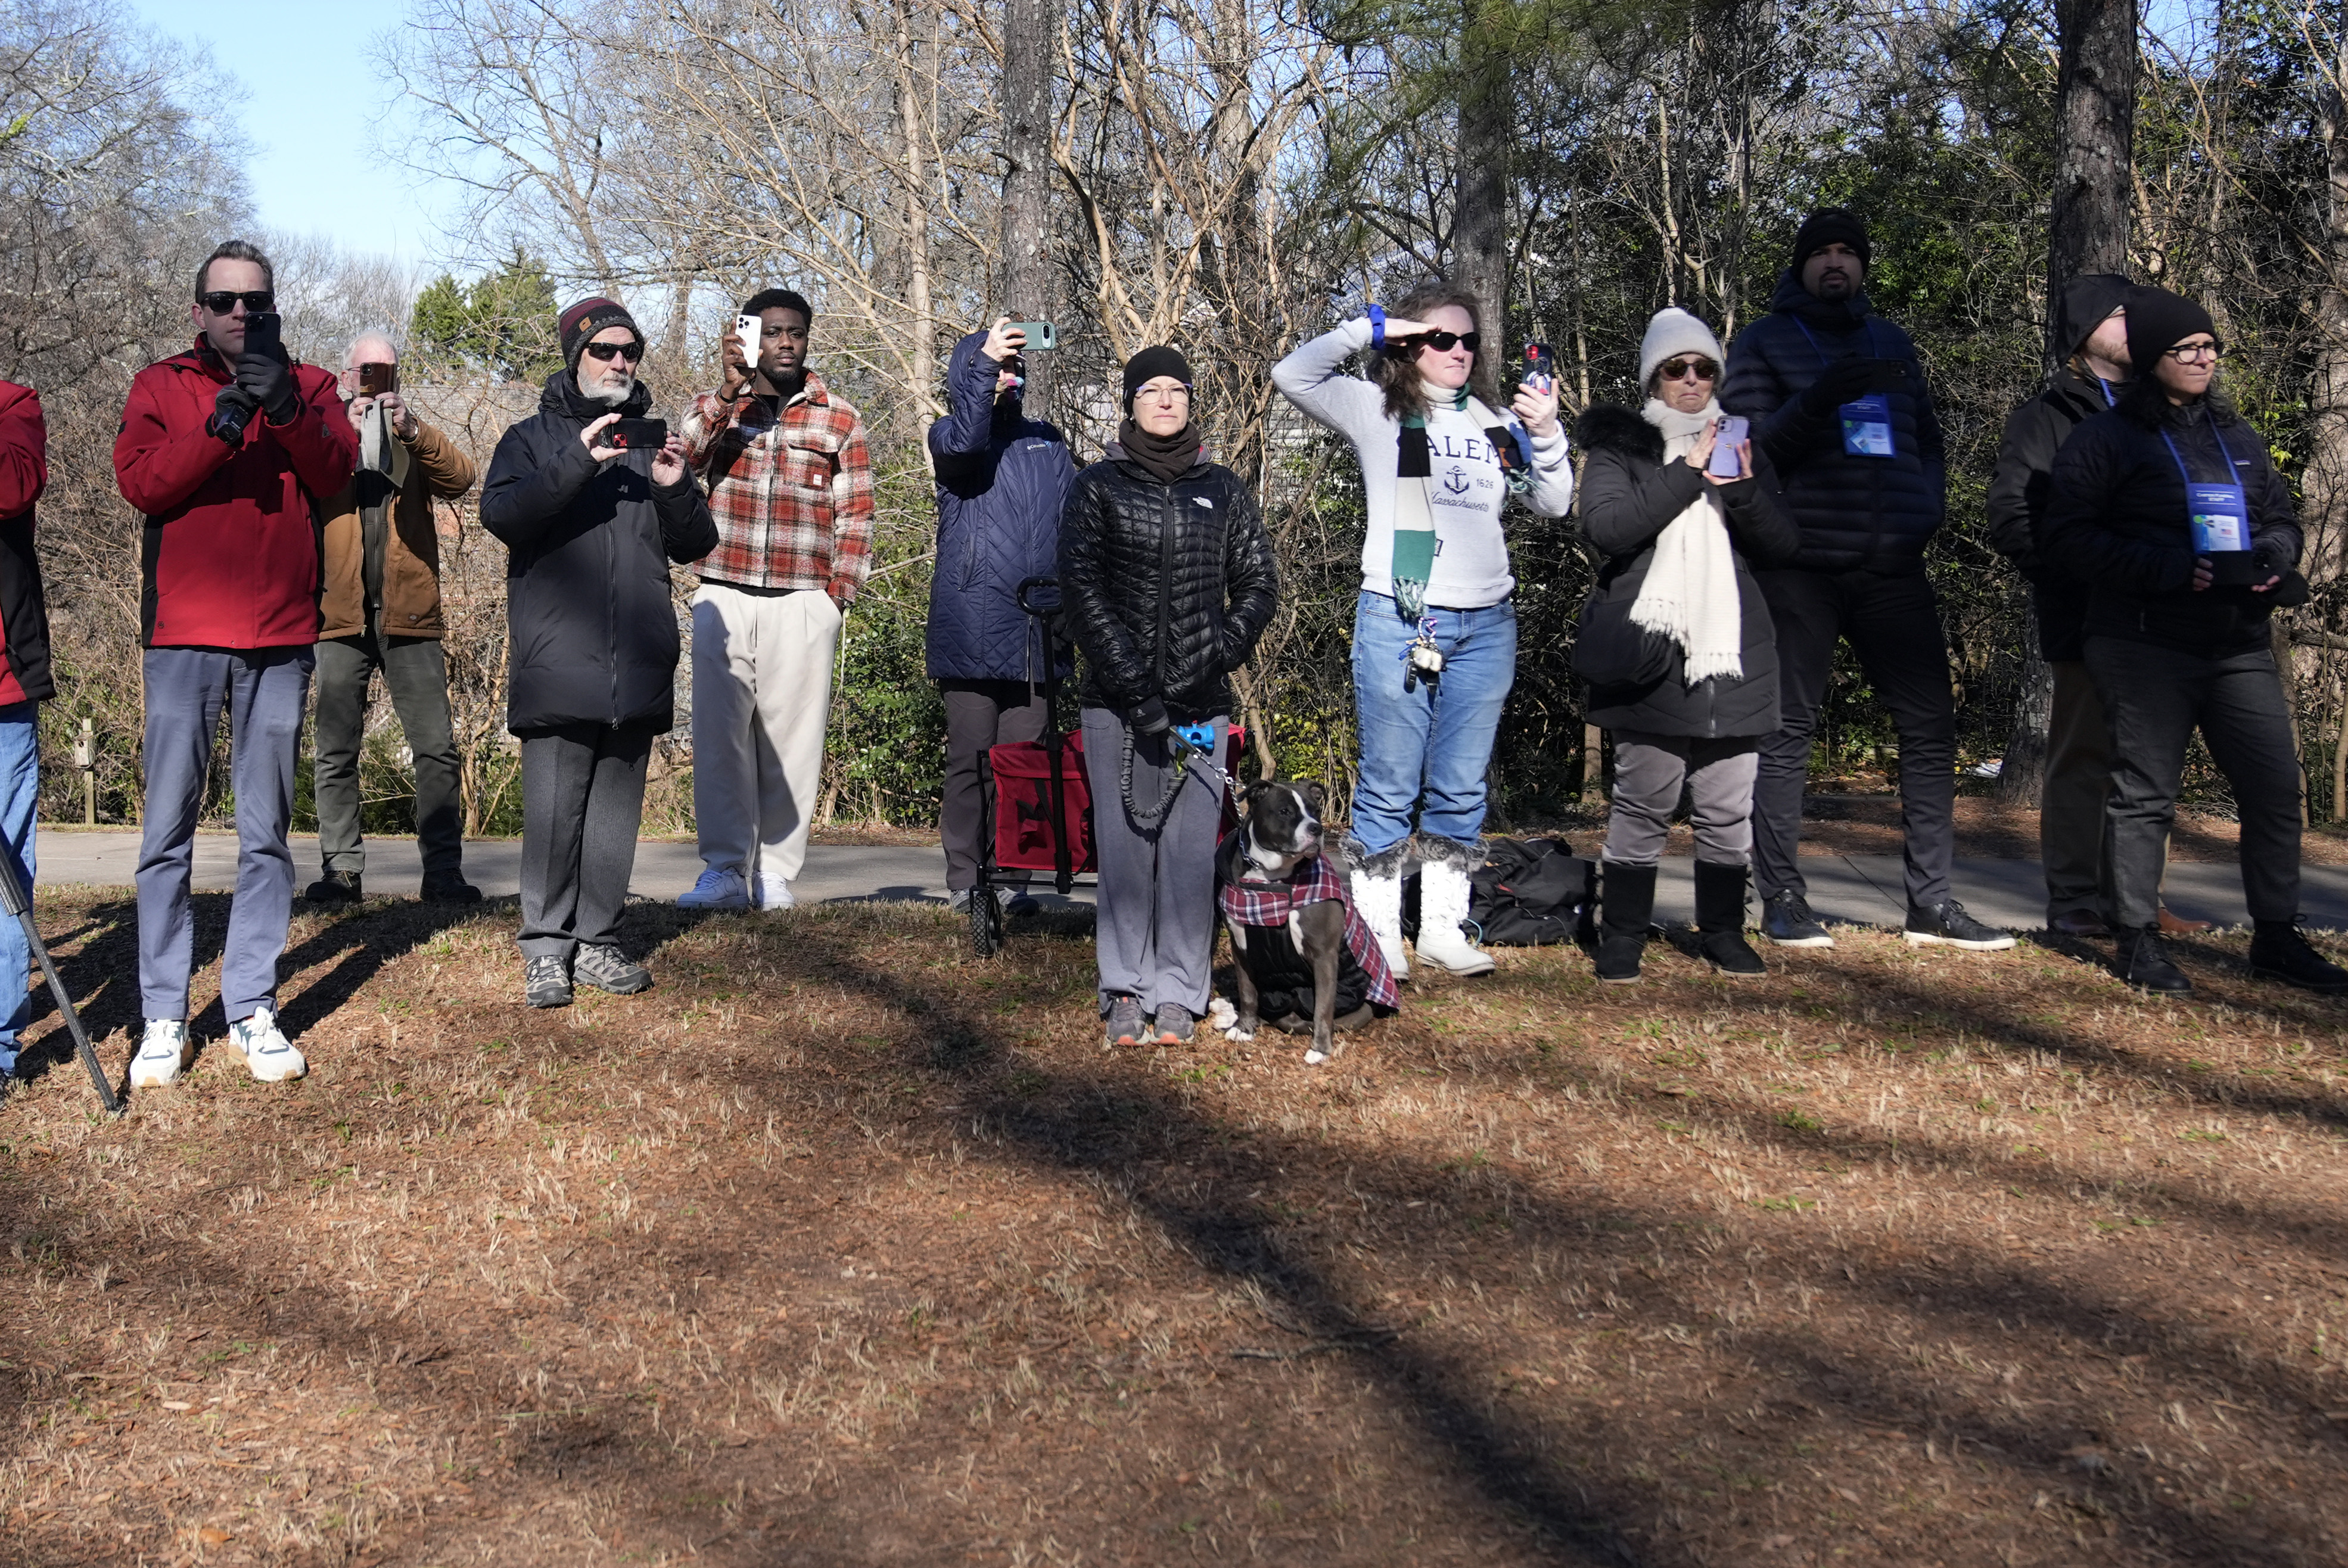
{"x": 717, "y": 889}
{"x": 774, "y": 893}
{"x": 267, "y": 1051}
{"x": 162, "y": 1053}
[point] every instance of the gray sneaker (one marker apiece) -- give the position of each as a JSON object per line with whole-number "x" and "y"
{"x": 546, "y": 983}
{"x": 604, "y": 967}
{"x": 1124, "y": 1026}
{"x": 1175, "y": 1025}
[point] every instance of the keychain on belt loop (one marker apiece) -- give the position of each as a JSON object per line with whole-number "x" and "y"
{"x": 1422, "y": 660}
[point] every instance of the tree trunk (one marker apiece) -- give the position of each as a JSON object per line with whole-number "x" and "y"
{"x": 1027, "y": 292}
{"x": 1479, "y": 231}
{"x": 2324, "y": 487}
{"x": 2087, "y": 232}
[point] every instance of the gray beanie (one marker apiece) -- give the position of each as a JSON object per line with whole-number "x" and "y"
{"x": 1674, "y": 332}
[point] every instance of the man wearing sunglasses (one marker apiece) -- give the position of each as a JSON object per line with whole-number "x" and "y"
{"x": 227, "y": 449}
{"x": 1838, "y": 400}
{"x": 591, "y": 521}
{"x": 382, "y": 611}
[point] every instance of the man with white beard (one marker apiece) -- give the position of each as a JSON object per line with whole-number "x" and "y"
{"x": 592, "y": 502}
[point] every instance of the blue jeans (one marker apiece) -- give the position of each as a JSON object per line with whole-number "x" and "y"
{"x": 20, "y": 795}
{"x": 1428, "y": 748}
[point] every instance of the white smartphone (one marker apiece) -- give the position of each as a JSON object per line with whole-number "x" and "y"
{"x": 748, "y": 329}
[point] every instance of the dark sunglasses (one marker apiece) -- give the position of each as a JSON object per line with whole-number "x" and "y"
{"x": 635, "y": 351}
{"x": 1675, "y": 369}
{"x": 1444, "y": 342}
{"x": 220, "y": 301}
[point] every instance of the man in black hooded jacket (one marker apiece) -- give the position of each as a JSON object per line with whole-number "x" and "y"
{"x": 590, "y": 529}
{"x": 1837, "y": 401}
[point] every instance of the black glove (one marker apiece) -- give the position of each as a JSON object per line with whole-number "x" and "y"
{"x": 270, "y": 383}
{"x": 2269, "y": 558}
{"x": 1147, "y": 716}
{"x": 1837, "y": 384}
{"x": 233, "y": 411}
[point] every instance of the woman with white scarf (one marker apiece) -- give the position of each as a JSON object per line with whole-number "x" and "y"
{"x": 1676, "y": 642}
{"x": 1435, "y": 634}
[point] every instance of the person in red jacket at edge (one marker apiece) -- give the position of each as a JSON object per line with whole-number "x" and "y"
{"x": 225, "y": 451}
{"x": 25, "y": 682}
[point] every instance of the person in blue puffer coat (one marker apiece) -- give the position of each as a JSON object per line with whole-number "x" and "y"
{"x": 1002, "y": 479}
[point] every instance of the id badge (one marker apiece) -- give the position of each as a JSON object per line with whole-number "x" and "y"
{"x": 1866, "y": 428}
{"x": 2221, "y": 520}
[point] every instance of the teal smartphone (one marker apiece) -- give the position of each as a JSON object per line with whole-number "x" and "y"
{"x": 1040, "y": 334}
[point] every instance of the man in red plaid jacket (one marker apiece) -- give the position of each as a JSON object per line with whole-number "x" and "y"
{"x": 789, "y": 476}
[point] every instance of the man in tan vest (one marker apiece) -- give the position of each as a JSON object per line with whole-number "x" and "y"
{"x": 380, "y": 609}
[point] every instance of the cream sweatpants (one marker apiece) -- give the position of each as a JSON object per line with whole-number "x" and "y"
{"x": 761, "y": 697}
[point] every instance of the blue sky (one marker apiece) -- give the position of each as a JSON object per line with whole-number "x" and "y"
{"x": 304, "y": 93}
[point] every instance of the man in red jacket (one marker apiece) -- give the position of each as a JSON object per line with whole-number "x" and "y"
{"x": 25, "y": 683}
{"x": 226, "y": 450}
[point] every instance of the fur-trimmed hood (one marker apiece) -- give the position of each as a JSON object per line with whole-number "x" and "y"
{"x": 1610, "y": 426}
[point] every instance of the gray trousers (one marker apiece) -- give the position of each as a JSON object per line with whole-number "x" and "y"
{"x": 416, "y": 673}
{"x": 582, "y": 800}
{"x": 265, "y": 691}
{"x": 2154, "y": 699}
{"x": 1648, "y": 770}
{"x": 979, "y": 714}
{"x": 1157, "y": 929}
{"x": 2070, "y": 801}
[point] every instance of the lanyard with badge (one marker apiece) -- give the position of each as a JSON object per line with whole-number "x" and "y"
{"x": 2218, "y": 515}
{"x": 1865, "y": 421}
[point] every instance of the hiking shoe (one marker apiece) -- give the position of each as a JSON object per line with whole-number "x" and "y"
{"x": 1947, "y": 925}
{"x": 774, "y": 893}
{"x": 334, "y": 888}
{"x": 2144, "y": 963}
{"x": 269, "y": 1055}
{"x": 2283, "y": 953}
{"x": 546, "y": 983}
{"x": 606, "y": 968}
{"x": 1124, "y": 1026}
{"x": 449, "y": 887}
{"x": 1787, "y": 920}
{"x": 718, "y": 889}
{"x": 1175, "y": 1025}
{"x": 162, "y": 1053}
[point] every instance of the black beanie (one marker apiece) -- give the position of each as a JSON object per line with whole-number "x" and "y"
{"x": 2157, "y": 321}
{"x": 1829, "y": 225}
{"x": 1148, "y": 365}
{"x": 591, "y": 315}
{"x": 2089, "y": 300}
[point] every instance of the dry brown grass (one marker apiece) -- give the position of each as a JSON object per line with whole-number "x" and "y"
{"x": 841, "y": 1247}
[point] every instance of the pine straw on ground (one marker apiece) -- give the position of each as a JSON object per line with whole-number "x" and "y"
{"x": 841, "y": 1247}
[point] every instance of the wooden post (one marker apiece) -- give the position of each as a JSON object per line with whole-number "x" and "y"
{"x": 86, "y": 758}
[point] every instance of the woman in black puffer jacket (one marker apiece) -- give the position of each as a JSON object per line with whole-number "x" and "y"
{"x": 1167, "y": 578}
{"x": 1676, "y": 642}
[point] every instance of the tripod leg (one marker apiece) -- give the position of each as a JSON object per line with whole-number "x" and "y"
{"x": 14, "y": 900}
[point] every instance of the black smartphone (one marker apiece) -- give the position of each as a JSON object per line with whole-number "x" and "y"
{"x": 1540, "y": 366}
{"x": 1889, "y": 376}
{"x": 263, "y": 334}
{"x": 637, "y": 435}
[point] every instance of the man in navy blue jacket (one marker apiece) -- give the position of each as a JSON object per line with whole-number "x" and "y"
{"x": 1002, "y": 479}
{"x": 1838, "y": 400}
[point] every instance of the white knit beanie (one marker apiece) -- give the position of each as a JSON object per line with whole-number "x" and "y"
{"x": 1674, "y": 332}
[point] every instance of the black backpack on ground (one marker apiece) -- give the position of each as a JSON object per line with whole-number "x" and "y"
{"x": 1530, "y": 892}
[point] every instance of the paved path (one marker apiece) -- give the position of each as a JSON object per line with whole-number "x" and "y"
{"x": 1863, "y": 889}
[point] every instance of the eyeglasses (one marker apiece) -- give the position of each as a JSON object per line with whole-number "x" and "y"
{"x": 1162, "y": 394}
{"x": 1444, "y": 342}
{"x": 220, "y": 301}
{"x": 635, "y": 351}
{"x": 1677, "y": 369}
{"x": 2186, "y": 353}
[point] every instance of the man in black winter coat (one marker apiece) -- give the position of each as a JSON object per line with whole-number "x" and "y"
{"x": 1837, "y": 401}
{"x": 590, "y": 528}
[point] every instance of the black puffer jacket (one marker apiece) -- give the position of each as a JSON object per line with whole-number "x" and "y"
{"x": 1628, "y": 495}
{"x": 1875, "y": 514}
{"x": 2018, "y": 493}
{"x": 2116, "y": 520}
{"x": 1166, "y": 587}
{"x": 591, "y": 632}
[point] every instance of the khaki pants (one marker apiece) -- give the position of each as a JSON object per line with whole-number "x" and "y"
{"x": 2070, "y": 801}
{"x": 761, "y": 698}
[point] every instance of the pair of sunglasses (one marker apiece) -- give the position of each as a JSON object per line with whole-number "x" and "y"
{"x": 1444, "y": 342}
{"x": 635, "y": 351}
{"x": 220, "y": 301}
{"x": 1675, "y": 369}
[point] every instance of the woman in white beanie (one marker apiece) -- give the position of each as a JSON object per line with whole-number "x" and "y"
{"x": 1676, "y": 642}
{"x": 1435, "y": 634}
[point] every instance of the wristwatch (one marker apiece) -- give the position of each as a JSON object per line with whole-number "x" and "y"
{"x": 1377, "y": 315}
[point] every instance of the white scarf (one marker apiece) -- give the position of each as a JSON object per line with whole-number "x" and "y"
{"x": 1690, "y": 592}
{"x": 381, "y": 450}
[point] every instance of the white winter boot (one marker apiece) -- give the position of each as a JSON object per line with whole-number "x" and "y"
{"x": 1443, "y": 904}
{"x": 1377, "y": 881}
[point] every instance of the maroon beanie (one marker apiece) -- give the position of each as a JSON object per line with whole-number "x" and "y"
{"x": 582, "y": 321}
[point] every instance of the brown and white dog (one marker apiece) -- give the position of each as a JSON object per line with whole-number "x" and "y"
{"x": 1276, "y": 860}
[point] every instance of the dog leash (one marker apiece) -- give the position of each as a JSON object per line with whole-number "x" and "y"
{"x": 1185, "y": 754}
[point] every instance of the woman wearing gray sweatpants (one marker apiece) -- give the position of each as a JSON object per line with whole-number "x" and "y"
{"x": 1167, "y": 578}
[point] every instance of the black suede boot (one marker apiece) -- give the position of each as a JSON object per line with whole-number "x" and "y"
{"x": 1720, "y": 919}
{"x": 1626, "y": 907}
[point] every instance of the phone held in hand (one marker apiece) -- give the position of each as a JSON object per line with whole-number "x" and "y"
{"x": 637, "y": 435}
{"x": 1726, "y": 436}
{"x": 376, "y": 378}
{"x": 1540, "y": 367}
{"x": 263, "y": 334}
{"x": 1889, "y": 376}
{"x": 1040, "y": 334}
{"x": 749, "y": 330}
